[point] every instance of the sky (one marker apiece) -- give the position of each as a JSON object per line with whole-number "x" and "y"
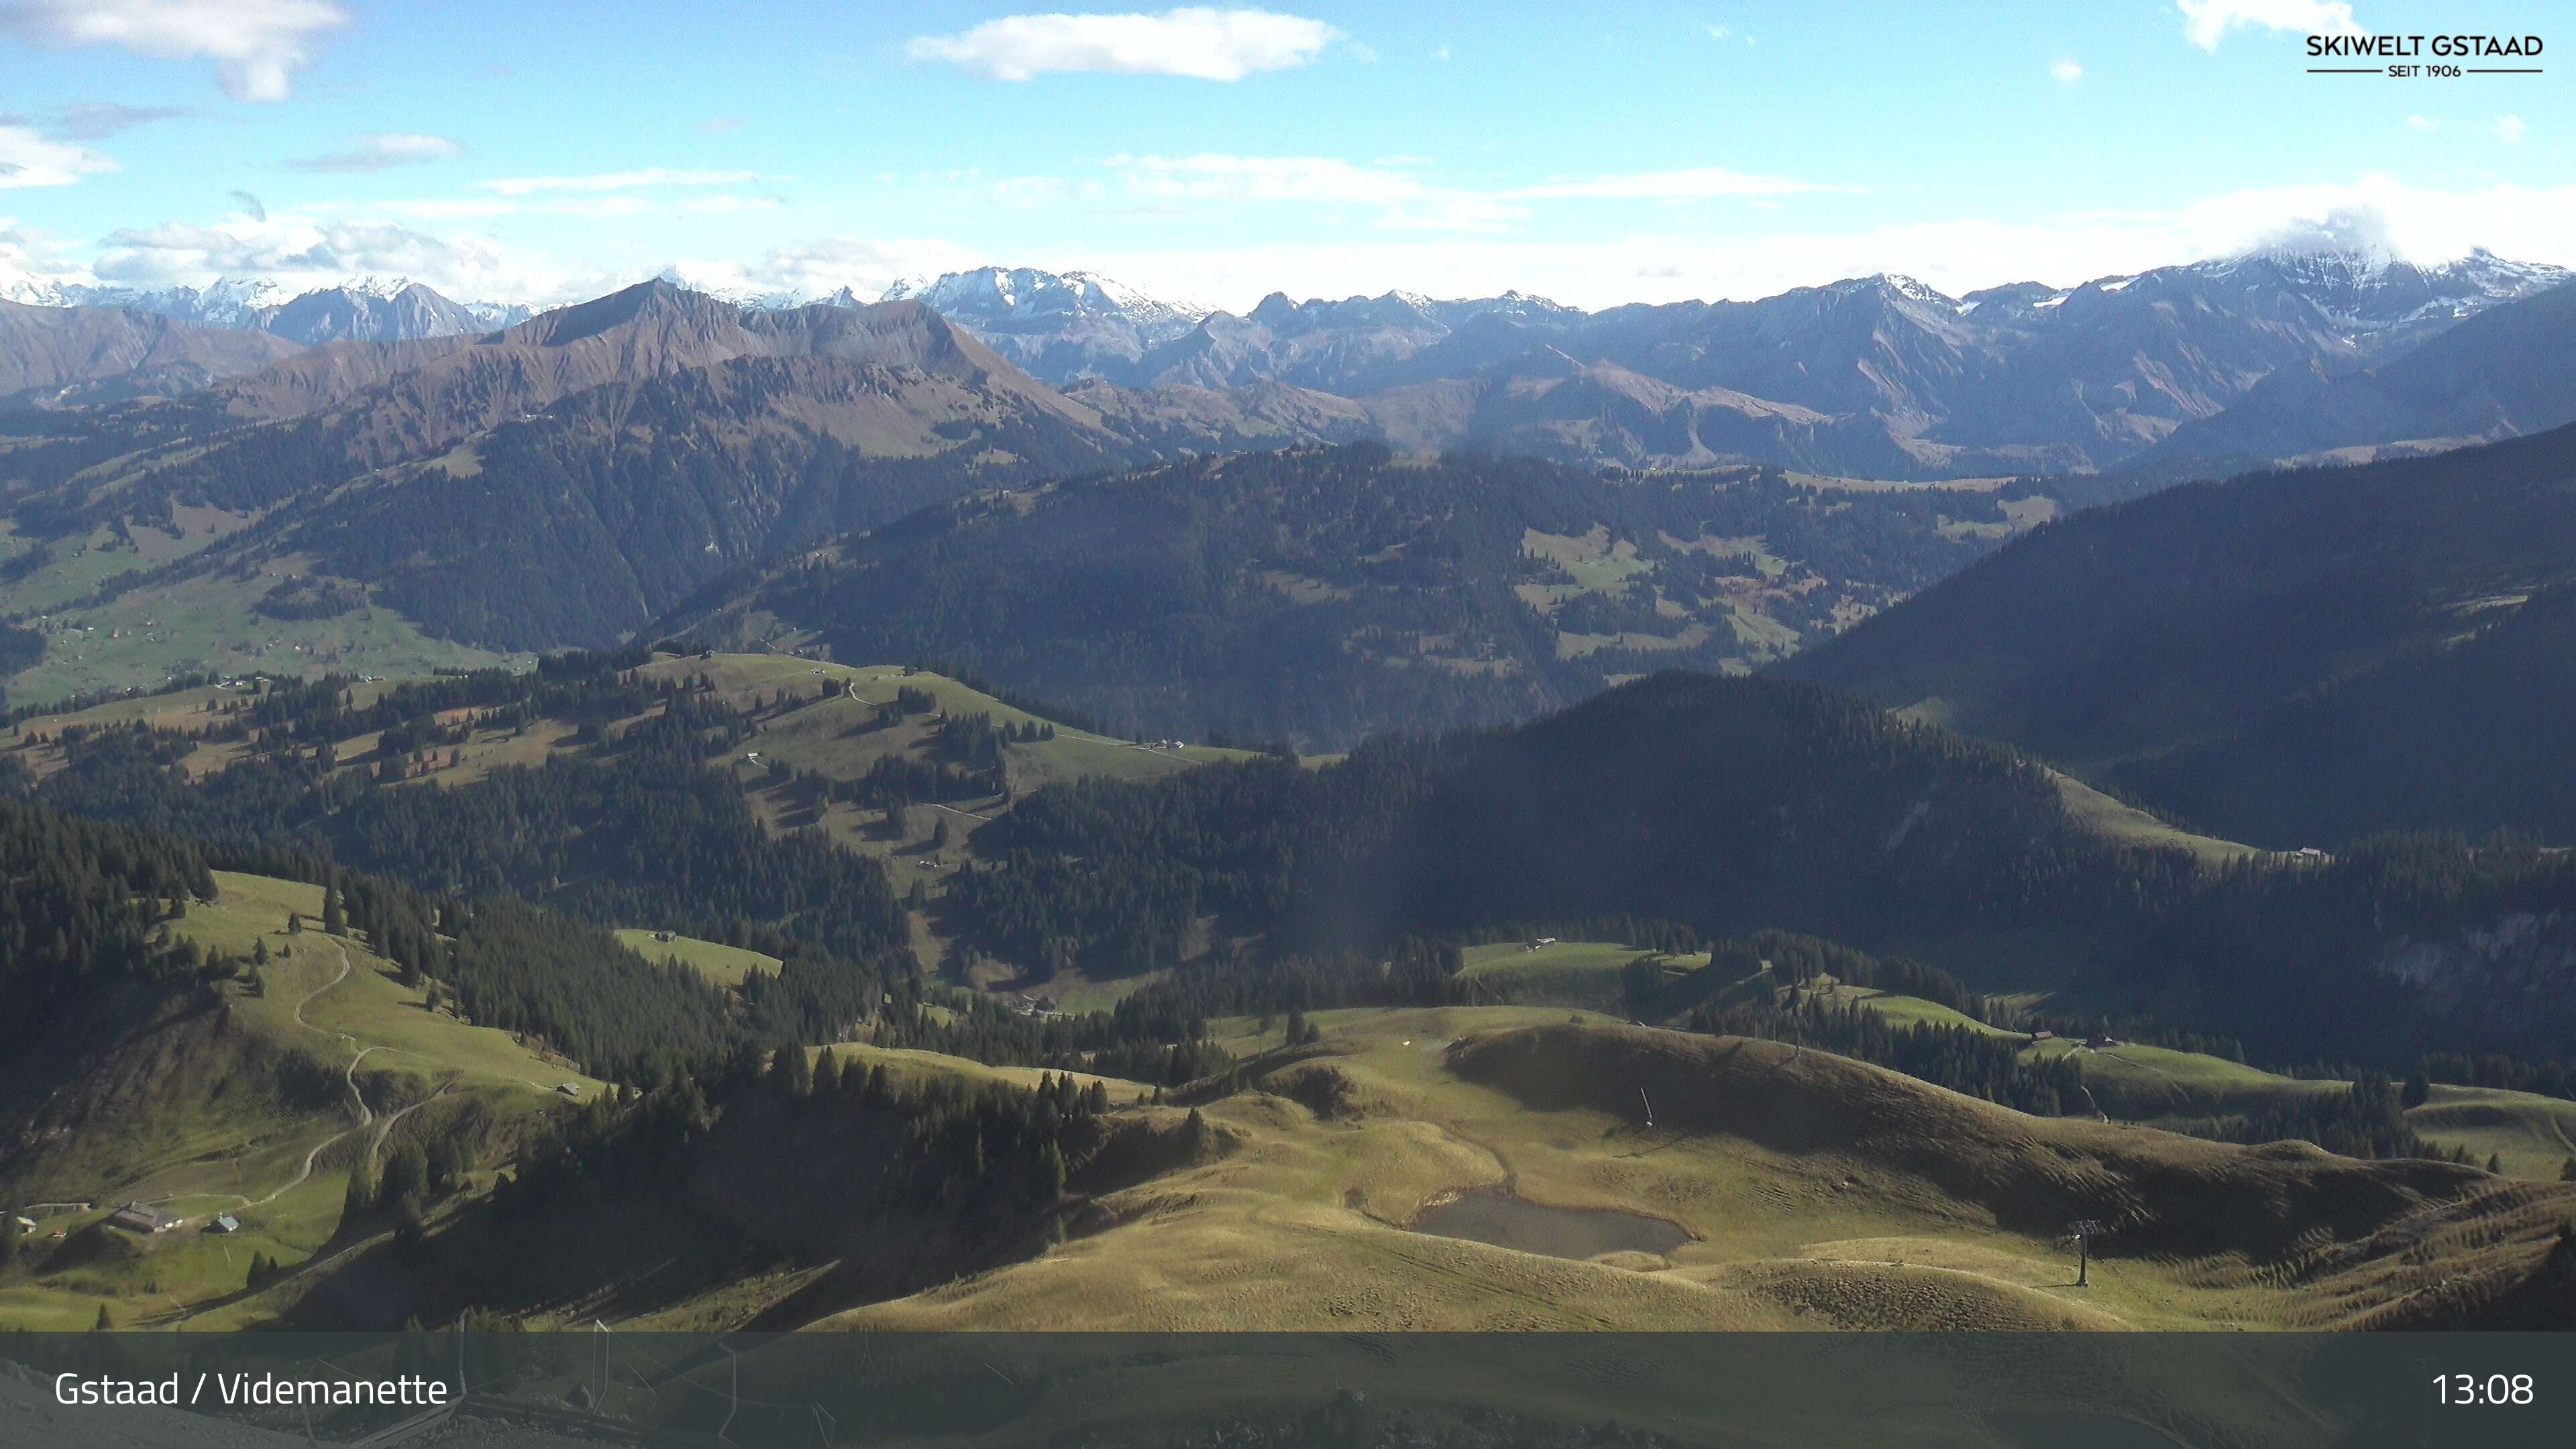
{"x": 1610, "y": 152}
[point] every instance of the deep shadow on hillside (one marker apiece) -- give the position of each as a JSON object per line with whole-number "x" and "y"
{"x": 2360, "y": 631}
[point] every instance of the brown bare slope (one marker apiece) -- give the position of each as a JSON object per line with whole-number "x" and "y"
{"x": 53, "y": 354}
{"x": 404, "y": 400}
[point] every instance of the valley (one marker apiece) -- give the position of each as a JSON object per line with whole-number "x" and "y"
{"x": 1020, "y": 805}
{"x": 1246, "y": 1146}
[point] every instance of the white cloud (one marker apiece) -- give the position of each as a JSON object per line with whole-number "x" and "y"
{"x": 303, "y": 252}
{"x": 1957, "y": 255}
{"x": 1716, "y": 32}
{"x": 619, "y": 181}
{"x": 32, "y": 261}
{"x": 2425, "y": 124}
{"x": 2509, "y": 129}
{"x": 2207, "y": 22}
{"x": 29, "y": 159}
{"x": 822, "y": 266}
{"x": 1210, "y": 176}
{"x": 2067, "y": 72}
{"x": 1440, "y": 53}
{"x": 381, "y": 151}
{"x": 256, "y": 45}
{"x": 1197, "y": 41}
{"x": 1691, "y": 184}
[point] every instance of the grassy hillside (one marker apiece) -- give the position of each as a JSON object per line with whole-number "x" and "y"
{"x": 836, "y": 738}
{"x": 258, "y": 1103}
{"x": 2531, "y": 1136}
{"x": 722, "y": 964}
{"x": 206, "y": 623}
{"x": 1811, "y": 1191}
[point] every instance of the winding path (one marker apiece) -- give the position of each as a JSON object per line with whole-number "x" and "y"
{"x": 346, "y": 966}
{"x": 357, "y": 1101}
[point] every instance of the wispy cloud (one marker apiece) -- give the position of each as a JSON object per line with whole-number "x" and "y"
{"x": 620, "y": 181}
{"x": 2067, "y": 72}
{"x": 256, "y": 45}
{"x": 1197, "y": 41}
{"x": 2509, "y": 130}
{"x": 250, "y": 205}
{"x": 1405, "y": 199}
{"x": 28, "y": 158}
{"x": 1693, "y": 183}
{"x": 102, "y": 120}
{"x": 2427, "y": 125}
{"x": 2207, "y": 22}
{"x": 381, "y": 151}
{"x": 1401, "y": 199}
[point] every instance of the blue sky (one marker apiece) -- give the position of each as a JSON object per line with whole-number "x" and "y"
{"x": 1601, "y": 153}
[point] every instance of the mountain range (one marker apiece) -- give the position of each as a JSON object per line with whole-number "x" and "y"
{"x": 365, "y": 309}
{"x": 660, "y": 454}
{"x": 1878, "y": 377}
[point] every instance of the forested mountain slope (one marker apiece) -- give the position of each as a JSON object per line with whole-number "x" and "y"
{"x": 1328, "y": 593}
{"x": 2293, "y": 657}
{"x": 1728, "y": 805}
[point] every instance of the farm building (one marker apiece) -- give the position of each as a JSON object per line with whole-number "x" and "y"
{"x": 224, "y": 1223}
{"x": 569, "y": 1089}
{"x": 134, "y": 1217}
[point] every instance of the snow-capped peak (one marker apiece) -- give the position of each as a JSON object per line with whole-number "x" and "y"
{"x": 991, "y": 295}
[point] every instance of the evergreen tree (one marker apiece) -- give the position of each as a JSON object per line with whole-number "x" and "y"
{"x": 335, "y": 919}
{"x": 360, "y": 1199}
{"x": 789, "y": 1071}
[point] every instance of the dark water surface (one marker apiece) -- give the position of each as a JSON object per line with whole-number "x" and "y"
{"x": 1488, "y": 1216}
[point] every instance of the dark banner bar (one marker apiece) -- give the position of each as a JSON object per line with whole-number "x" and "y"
{"x": 1179, "y": 1391}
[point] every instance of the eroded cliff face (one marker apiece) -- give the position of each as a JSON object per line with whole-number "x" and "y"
{"x": 2513, "y": 977}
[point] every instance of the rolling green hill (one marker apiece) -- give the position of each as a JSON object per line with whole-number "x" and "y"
{"x": 898, "y": 765}
{"x": 258, "y": 1096}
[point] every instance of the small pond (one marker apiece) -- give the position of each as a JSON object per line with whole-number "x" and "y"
{"x": 1506, "y": 1221}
